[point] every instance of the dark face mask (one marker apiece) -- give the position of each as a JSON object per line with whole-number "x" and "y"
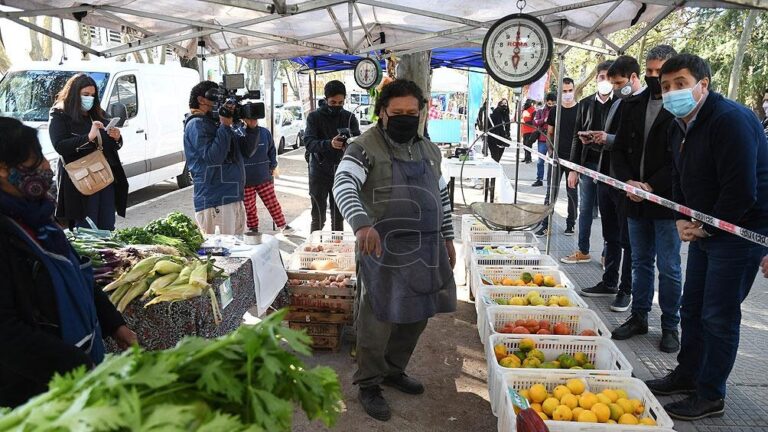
{"x": 654, "y": 85}
{"x": 34, "y": 184}
{"x": 402, "y": 128}
{"x": 334, "y": 110}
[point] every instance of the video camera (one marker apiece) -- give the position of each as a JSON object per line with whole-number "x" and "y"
{"x": 226, "y": 94}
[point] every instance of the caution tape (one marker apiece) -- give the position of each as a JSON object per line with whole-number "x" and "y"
{"x": 695, "y": 214}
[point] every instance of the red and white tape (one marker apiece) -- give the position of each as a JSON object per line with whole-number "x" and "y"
{"x": 695, "y": 214}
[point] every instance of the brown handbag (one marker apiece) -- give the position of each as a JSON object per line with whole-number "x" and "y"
{"x": 91, "y": 173}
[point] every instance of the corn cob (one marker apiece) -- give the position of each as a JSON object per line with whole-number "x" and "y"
{"x": 137, "y": 289}
{"x": 136, "y": 272}
{"x": 166, "y": 267}
{"x": 181, "y": 292}
{"x": 119, "y": 293}
{"x": 199, "y": 276}
{"x": 183, "y": 278}
{"x": 160, "y": 283}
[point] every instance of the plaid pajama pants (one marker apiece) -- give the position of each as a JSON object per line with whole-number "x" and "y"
{"x": 266, "y": 191}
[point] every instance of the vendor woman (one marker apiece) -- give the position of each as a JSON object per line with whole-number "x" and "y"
{"x": 51, "y": 317}
{"x": 389, "y": 188}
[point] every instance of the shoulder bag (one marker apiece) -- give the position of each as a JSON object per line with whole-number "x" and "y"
{"x": 91, "y": 173}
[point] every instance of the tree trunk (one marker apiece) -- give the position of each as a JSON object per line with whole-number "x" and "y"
{"x": 223, "y": 64}
{"x": 36, "y": 50}
{"x": 47, "y": 42}
{"x": 416, "y": 67}
{"x": 253, "y": 74}
{"x": 150, "y": 55}
{"x": 163, "y": 54}
{"x": 5, "y": 61}
{"x": 84, "y": 33}
{"x": 746, "y": 34}
{"x": 238, "y": 64}
{"x": 292, "y": 77}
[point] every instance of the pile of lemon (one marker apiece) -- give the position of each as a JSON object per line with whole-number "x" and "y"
{"x": 572, "y": 402}
{"x": 533, "y": 298}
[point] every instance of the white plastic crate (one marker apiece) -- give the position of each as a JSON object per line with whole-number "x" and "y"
{"x": 577, "y": 319}
{"x": 486, "y": 295}
{"x": 474, "y": 231}
{"x": 635, "y": 389}
{"x": 539, "y": 262}
{"x": 601, "y": 352}
{"x": 302, "y": 260}
{"x": 323, "y": 237}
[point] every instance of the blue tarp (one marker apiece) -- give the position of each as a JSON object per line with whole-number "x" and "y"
{"x": 456, "y": 58}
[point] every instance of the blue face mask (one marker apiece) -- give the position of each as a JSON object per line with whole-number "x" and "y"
{"x": 680, "y": 102}
{"x": 86, "y": 102}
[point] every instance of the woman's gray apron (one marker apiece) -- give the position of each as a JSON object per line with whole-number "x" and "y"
{"x": 412, "y": 280}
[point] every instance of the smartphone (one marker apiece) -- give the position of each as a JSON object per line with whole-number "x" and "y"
{"x": 345, "y": 133}
{"x": 113, "y": 123}
{"x": 586, "y": 135}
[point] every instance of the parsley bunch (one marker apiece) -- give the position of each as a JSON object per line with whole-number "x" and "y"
{"x": 180, "y": 226}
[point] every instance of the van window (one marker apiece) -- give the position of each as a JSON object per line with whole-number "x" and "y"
{"x": 29, "y": 95}
{"x": 126, "y": 93}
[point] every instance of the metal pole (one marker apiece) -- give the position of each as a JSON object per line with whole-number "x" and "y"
{"x": 487, "y": 116}
{"x": 554, "y": 177}
{"x": 350, "y": 12}
{"x": 63, "y": 45}
{"x": 201, "y": 59}
{"x": 518, "y": 110}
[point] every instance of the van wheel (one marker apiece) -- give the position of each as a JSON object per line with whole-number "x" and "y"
{"x": 184, "y": 179}
{"x": 297, "y": 144}
{"x": 281, "y": 147}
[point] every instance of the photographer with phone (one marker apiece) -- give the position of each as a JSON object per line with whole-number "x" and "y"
{"x": 215, "y": 154}
{"x": 77, "y": 130}
{"x": 328, "y": 129}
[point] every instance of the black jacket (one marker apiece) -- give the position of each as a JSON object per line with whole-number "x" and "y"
{"x": 500, "y": 126}
{"x": 29, "y": 324}
{"x": 67, "y": 137}
{"x": 627, "y": 155}
{"x": 322, "y": 126}
{"x": 586, "y": 121}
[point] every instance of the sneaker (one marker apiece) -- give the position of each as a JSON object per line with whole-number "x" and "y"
{"x": 673, "y": 383}
{"x": 374, "y": 403}
{"x": 478, "y": 185}
{"x": 636, "y": 325}
{"x": 537, "y": 183}
{"x": 568, "y": 231}
{"x": 599, "y": 290}
{"x": 670, "y": 341}
{"x": 695, "y": 408}
{"x": 576, "y": 257}
{"x": 602, "y": 262}
{"x": 287, "y": 230}
{"x": 542, "y": 232}
{"x": 621, "y": 302}
{"x": 404, "y": 383}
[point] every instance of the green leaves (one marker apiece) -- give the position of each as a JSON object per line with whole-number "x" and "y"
{"x": 248, "y": 380}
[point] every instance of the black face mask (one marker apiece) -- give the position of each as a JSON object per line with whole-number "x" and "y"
{"x": 654, "y": 85}
{"x": 334, "y": 110}
{"x": 402, "y": 128}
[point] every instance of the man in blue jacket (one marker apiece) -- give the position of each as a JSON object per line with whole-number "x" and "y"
{"x": 215, "y": 160}
{"x": 720, "y": 168}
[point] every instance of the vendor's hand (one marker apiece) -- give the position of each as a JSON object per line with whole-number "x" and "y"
{"x": 125, "y": 337}
{"x": 683, "y": 229}
{"x": 337, "y": 142}
{"x": 585, "y": 137}
{"x": 573, "y": 179}
{"x": 368, "y": 241}
{"x": 599, "y": 137}
{"x": 644, "y": 186}
{"x": 95, "y": 130}
{"x": 114, "y": 133}
{"x": 451, "y": 252}
{"x": 764, "y": 266}
{"x": 226, "y": 121}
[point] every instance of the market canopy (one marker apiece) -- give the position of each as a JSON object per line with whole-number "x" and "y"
{"x": 455, "y": 58}
{"x": 294, "y": 28}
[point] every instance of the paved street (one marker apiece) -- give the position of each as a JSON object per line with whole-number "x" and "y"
{"x": 449, "y": 358}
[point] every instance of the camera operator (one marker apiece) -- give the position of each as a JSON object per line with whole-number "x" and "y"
{"x": 326, "y": 144}
{"x": 215, "y": 154}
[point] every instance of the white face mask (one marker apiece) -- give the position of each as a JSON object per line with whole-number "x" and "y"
{"x": 604, "y": 87}
{"x": 765, "y": 107}
{"x": 567, "y": 97}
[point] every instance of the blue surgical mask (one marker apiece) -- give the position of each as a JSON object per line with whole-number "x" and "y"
{"x": 680, "y": 102}
{"x": 86, "y": 102}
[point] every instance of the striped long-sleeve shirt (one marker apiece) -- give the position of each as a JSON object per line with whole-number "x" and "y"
{"x": 353, "y": 172}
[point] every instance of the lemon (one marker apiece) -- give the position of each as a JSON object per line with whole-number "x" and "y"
{"x": 524, "y": 393}
{"x": 603, "y": 399}
{"x": 562, "y": 413}
{"x": 576, "y": 411}
{"x": 587, "y": 417}
{"x": 538, "y": 393}
{"x": 602, "y": 412}
{"x": 611, "y": 421}
{"x": 622, "y": 393}
{"x": 628, "y": 419}
{"x": 576, "y": 386}
{"x": 616, "y": 411}
{"x": 647, "y": 421}
{"x": 549, "y": 405}
{"x": 560, "y": 391}
{"x": 612, "y": 394}
{"x": 543, "y": 416}
{"x": 536, "y": 407}
{"x": 570, "y": 401}
{"x": 637, "y": 406}
{"x": 564, "y": 301}
{"x": 625, "y": 405}
{"x": 587, "y": 400}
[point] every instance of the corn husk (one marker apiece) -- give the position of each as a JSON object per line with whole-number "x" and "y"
{"x": 137, "y": 289}
{"x": 167, "y": 267}
{"x": 180, "y": 292}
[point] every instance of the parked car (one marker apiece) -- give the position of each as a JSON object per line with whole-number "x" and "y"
{"x": 286, "y": 130}
{"x": 151, "y": 101}
{"x": 299, "y": 116}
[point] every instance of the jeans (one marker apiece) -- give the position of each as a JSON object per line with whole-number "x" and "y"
{"x": 656, "y": 240}
{"x": 587, "y": 196}
{"x": 540, "y": 162}
{"x": 618, "y": 255}
{"x": 573, "y": 196}
{"x": 719, "y": 275}
{"x": 101, "y": 209}
{"x": 321, "y": 193}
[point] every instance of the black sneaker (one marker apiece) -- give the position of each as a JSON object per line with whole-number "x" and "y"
{"x": 374, "y": 403}
{"x": 635, "y": 325}
{"x": 537, "y": 183}
{"x": 599, "y": 290}
{"x": 542, "y": 232}
{"x": 670, "y": 341}
{"x": 673, "y": 383}
{"x": 621, "y": 302}
{"x": 404, "y": 383}
{"x": 568, "y": 231}
{"x": 695, "y": 408}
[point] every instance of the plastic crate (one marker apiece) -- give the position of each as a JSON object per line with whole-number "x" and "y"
{"x": 323, "y": 237}
{"x": 601, "y": 352}
{"x": 540, "y": 263}
{"x": 635, "y": 389}
{"x": 301, "y": 260}
{"x": 578, "y": 319}
{"x": 474, "y": 231}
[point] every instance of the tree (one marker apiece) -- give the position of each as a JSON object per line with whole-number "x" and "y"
{"x": 40, "y": 44}
{"x": 291, "y": 75}
{"x": 5, "y": 61}
{"x": 85, "y": 39}
{"x": 416, "y": 67}
{"x": 253, "y": 74}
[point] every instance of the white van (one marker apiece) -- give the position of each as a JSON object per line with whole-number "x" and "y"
{"x": 151, "y": 100}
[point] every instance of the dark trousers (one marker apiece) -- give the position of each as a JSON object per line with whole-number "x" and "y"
{"x": 496, "y": 152}
{"x": 321, "y": 193}
{"x": 101, "y": 209}
{"x": 573, "y": 196}
{"x": 719, "y": 275}
{"x": 618, "y": 255}
{"x": 528, "y": 140}
{"x": 383, "y": 348}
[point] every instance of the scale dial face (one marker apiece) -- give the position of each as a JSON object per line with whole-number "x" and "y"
{"x": 367, "y": 73}
{"x": 517, "y": 50}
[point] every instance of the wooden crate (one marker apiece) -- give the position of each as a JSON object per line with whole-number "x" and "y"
{"x": 310, "y": 303}
{"x": 325, "y": 336}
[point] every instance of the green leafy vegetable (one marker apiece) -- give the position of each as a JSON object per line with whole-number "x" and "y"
{"x": 180, "y": 226}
